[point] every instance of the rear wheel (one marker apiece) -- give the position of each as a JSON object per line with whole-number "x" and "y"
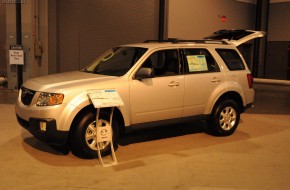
{"x": 224, "y": 119}
{"x": 83, "y": 137}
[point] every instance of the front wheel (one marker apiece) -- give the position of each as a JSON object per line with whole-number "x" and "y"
{"x": 224, "y": 119}
{"x": 83, "y": 139}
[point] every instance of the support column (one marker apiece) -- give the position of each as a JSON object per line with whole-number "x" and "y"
{"x": 260, "y": 45}
{"x": 27, "y": 24}
{"x": 19, "y": 42}
{"x": 3, "y": 66}
{"x": 162, "y": 20}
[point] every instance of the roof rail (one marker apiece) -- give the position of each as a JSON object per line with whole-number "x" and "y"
{"x": 175, "y": 41}
{"x": 172, "y": 40}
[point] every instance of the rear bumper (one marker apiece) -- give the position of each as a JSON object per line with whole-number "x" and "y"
{"x": 250, "y": 105}
{"x": 49, "y": 135}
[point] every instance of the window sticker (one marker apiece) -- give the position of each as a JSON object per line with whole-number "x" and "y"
{"x": 196, "y": 63}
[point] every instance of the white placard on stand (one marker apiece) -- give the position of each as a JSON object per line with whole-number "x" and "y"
{"x": 105, "y": 98}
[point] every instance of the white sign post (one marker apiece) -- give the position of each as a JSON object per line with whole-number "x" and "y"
{"x": 105, "y": 98}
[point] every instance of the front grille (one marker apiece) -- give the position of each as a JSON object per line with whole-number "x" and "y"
{"x": 26, "y": 96}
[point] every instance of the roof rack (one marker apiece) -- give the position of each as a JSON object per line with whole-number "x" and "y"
{"x": 172, "y": 40}
{"x": 175, "y": 41}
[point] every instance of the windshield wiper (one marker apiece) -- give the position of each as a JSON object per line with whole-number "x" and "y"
{"x": 96, "y": 72}
{"x": 87, "y": 71}
{"x": 84, "y": 70}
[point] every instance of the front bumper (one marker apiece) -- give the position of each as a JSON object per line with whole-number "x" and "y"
{"x": 49, "y": 134}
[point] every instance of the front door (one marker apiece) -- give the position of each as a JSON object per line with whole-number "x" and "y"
{"x": 160, "y": 97}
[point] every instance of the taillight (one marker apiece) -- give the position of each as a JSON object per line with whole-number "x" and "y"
{"x": 250, "y": 80}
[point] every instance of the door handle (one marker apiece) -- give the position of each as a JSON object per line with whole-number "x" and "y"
{"x": 173, "y": 84}
{"x": 215, "y": 79}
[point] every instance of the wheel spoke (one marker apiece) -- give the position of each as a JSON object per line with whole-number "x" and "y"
{"x": 92, "y": 127}
{"x": 222, "y": 120}
{"x": 223, "y": 114}
{"x": 233, "y": 118}
{"x": 227, "y": 110}
{"x": 90, "y": 133}
{"x": 93, "y": 144}
{"x": 90, "y": 136}
{"x": 229, "y": 125}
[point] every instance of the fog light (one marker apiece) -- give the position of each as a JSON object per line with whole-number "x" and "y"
{"x": 42, "y": 125}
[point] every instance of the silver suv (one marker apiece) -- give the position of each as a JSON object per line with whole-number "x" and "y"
{"x": 159, "y": 82}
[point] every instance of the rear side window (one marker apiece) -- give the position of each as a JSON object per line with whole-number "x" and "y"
{"x": 200, "y": 60}
{"x": 232, "y": 59}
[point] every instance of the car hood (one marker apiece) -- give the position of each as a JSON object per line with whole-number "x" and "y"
{"x": 62, "y": 81}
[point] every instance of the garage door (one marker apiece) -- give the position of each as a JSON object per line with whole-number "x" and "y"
{"x": 85, "y": 29}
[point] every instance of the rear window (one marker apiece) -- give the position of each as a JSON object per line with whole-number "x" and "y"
{"x": 232, "y": 59}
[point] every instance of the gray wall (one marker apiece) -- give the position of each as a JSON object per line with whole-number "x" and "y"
{"x": 279, "y": 22}
{"x": 82, "y": 31}
{"x": 277, "y": 59}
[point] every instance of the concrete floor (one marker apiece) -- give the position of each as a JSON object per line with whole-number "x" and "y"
{"x": 257, "y": 156}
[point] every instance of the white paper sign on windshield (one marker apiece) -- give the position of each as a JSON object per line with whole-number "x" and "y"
{"x": 105, "y": 98}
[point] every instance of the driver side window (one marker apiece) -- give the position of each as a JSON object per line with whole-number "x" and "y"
{"x": 164, "y": 63}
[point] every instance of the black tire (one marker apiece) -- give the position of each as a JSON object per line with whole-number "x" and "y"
{"x": 224, "y": 119}
{"x": 85, "y": 125}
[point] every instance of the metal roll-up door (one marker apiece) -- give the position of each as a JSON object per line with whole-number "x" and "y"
{"x": 86, "y": 29}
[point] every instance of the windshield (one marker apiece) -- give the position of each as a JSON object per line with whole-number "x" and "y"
{"x": 116, "y": 62}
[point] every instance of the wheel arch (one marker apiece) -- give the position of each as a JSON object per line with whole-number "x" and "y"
{"x": 231, "y": 95}
{"x": 90, "y": 108}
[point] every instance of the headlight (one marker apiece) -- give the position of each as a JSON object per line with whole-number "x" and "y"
{"x": 49, "y": 99}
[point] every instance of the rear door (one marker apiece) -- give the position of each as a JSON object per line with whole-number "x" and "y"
{"x": 236, "y": 37}
{"x": 203, "y": 80}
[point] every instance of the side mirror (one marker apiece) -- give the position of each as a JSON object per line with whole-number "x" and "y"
{"x": 144, "y": 73}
